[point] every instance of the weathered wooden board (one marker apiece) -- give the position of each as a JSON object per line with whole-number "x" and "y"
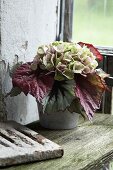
{"x": 19, "y": 144}
{"x": 84, "y": 147}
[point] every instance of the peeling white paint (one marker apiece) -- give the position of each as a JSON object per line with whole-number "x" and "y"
{"x": 25, "y": 24}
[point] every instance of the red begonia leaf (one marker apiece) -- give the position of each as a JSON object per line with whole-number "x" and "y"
{"x": 36, "y": 83}
{"x": 89, "y": 90}
{"x": 93, "y": 50}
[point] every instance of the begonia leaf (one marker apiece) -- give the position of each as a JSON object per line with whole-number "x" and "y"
{"x": 93, "y": 50}
{"x": 60, "y": 97}
{"x": 89, "y": 90}
{"x": 14, "y": 92}
{"x": 31, "y": 82}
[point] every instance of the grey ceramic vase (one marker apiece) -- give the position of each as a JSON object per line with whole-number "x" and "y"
{"x": 59, "y": 120}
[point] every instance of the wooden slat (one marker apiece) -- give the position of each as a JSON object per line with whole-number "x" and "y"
{"x": 105, "y": 50}
{"x": 19, "y": 144}
{"x": 84, "y": 146}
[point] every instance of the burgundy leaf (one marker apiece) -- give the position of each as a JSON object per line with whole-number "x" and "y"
{"x": 93, "y": 50}
{"x": 89, "y": 90}
{"x": 35, "y": 82}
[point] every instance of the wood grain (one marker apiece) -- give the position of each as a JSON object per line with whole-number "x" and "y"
{"x": 84, "y": 147}
{"x": 19, "y": 144}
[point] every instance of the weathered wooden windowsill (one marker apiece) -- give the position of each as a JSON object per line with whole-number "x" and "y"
{"x": 83, "y": 147}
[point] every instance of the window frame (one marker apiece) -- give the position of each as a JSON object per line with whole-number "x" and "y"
{"x": 65, "y": 34}
{"x": 66, "y": 20}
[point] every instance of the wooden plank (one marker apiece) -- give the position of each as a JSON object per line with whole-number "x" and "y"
{"x": 19, "y": 144}
{"x": 84, "y": 146}
{"x": 105, "y": 50}
{"x": 66, "y": 20}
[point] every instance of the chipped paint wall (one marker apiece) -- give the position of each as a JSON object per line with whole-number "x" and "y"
{"x": 25, "y": 24}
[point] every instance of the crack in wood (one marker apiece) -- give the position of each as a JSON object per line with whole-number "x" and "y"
{"x": 38, "y": 138}
{"x": 7, "y": 138}
{"x": 4, "y": 144}
{"x": 12, "y": 133}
